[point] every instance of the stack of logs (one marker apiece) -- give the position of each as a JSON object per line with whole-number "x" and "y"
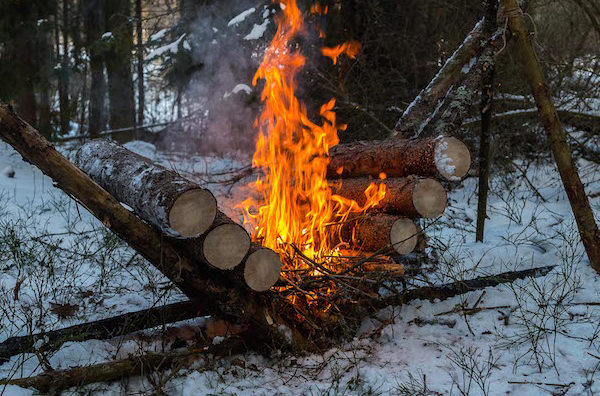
{"x": 409, "y": 169}
{"x": 188, "y": 214}
{"x": 182, "y": 211}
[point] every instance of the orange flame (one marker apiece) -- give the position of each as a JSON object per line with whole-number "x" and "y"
{"x": 296, "y": 205}
{"x": 351, "y": 49}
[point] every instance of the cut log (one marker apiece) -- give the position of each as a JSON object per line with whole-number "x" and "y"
{"x": 381, "y": 233}
{"x": 443, "y": 157}
{"x": 409, "y": 197}
{"x": 177, "y": 206}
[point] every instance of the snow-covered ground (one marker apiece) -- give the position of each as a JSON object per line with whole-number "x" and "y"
{"x": 535, "y": 336}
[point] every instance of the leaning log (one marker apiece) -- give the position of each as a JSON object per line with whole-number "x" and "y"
{"x": 409, "y": 197}
{"x": 100, "y": 329}
{"x": 415, "y": 117}
{"x": 210, "y": 290}
{"x": 381, "y": 233}
{"x": 158, "y": 195}
{"x": 446, "y": 158}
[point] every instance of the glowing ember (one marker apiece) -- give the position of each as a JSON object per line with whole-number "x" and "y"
{"x": 297, "y": 208}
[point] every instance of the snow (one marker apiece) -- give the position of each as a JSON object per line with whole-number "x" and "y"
{"x": 257, "y": 31}
{"x": 165, "y": 49}
{"x": 107, "y": 36}
{"x": 159, "y": 35}
{"x": 535, "y": 330}
{"x": 239, "y": 18}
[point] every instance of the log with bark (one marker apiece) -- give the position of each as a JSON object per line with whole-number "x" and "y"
{"x": 381, "y": 233}
{"x": 225, "y": 246}
{"x": 446, "y": 158}
{"x": 409, "y": 197}
{"x": 160, "y": 196}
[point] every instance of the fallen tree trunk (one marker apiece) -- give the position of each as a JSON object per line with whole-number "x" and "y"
{"x": 409, "y": 197}
{"x": 210, "y": 290}
{"x": 415, "y": 117}
{"x": 100, "y": 329}
{"x": 381, "y": 233}
{"x": 160, "y": 196}
{"x": 442, "y": 157}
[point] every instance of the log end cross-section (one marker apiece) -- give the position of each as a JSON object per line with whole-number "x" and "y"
{"x": 452, "y": 158}
{"x": 193, "y": 212}
{"x": 226, "y": 246}
{"x": 262, "y": 270}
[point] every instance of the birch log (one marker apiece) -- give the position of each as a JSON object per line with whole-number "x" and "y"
{"x": 177, "y": 206}
{"x": 410, "y": 197}
{"x": 445, "y": 158}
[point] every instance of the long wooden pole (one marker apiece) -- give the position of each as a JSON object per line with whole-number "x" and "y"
{"x": 557, "y": 137}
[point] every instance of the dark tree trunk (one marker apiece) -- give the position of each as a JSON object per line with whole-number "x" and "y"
{"x": 140, "y": 62}
{"x": 93, "y": 20}
{"x": 118, "y": 64}
{"x": 63, "y": 76}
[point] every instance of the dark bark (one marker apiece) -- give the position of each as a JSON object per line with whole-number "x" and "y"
{"x": 584, "y": 216}
{"x": 487, "y": 97}
{"x": 64, "y": 73}
{"x": 93, "y": 21}
{"x": 140, "y": 62}
{"x": 118, "y": 64}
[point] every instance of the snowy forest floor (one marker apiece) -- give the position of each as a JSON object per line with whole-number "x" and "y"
{"x": 534, "y": 336}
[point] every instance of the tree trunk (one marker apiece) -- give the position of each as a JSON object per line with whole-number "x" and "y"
{"x": 580, "y": 205}
{"x": 381, "y": 233}
{"x": 93, "y": 20}
{"x": 140, "y": 62}
{"x": 487, "y": 97}
{"x": 118, "y": 64}
{"x": 442, "y": 157}
{"x": 63, "y": 76}
{"x": 212, "y": 291}
{"x": 409, "y": 197}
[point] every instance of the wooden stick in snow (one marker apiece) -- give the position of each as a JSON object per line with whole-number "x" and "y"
{"x": 381, "y": 232}
{"x": 410, "y": 197}
{"x": 160, "y": 196}
{"x": 446, "y": 158}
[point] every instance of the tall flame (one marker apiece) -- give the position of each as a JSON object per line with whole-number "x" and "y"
{"x": 296, "y": 205}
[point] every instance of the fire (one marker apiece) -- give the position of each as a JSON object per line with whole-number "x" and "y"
{"x": 296, "y": 208}
{"x": 351, "y": 49}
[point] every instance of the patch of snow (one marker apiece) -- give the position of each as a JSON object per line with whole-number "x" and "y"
{"x": 169, "y": 48}
{"x": 159, "y": 35}
{"x": 239, "y": 18}
{"x": 107, "y": 36}
{"x": 9, "y": 171}
{"x": 257, "y": 31}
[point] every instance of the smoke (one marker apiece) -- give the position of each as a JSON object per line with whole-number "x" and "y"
{"x": 227, "y": 42}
